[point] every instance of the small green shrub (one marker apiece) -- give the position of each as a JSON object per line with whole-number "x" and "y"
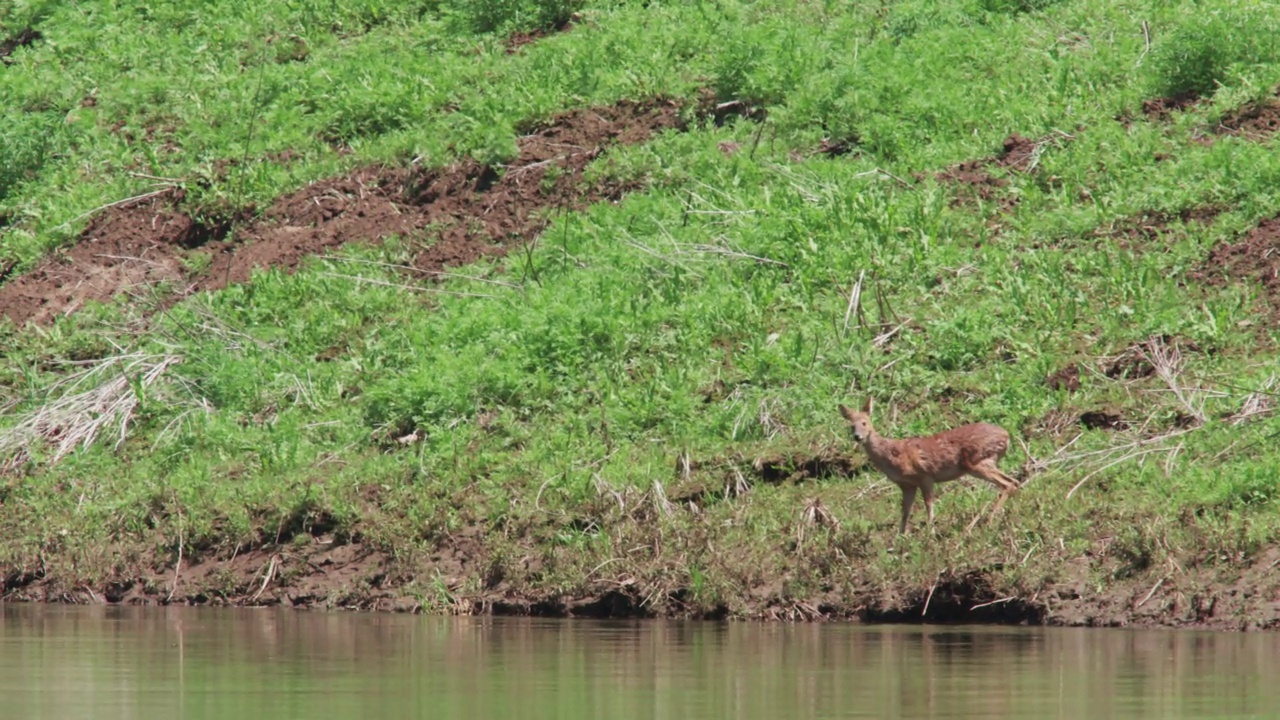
{"x": 1246, "y": 486}
{"x": 1193, "y": 59}
{"x": 27, "y": 142}
{"x": 483, "y": 16}
{"x": 1014, "y": 7}
{"x": 906, "y": 20}
{"x": 19, "y": 14}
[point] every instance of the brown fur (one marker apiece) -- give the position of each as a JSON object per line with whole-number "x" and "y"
{"x": 919, "y": 463}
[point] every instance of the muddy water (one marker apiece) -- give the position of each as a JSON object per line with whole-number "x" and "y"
{"x": 60, "y": 662}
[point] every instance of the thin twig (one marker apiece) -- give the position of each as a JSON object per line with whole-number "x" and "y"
{"x": 271, "y": 571}
{"x": 1258, "y": 402}
{"x": 884, "y": 337}
{"x": 994, "y": 602}
{"x": 597, "y": 568}
{"x": 928, "y": 599}
{"x": 411, "y": 268}
{"x": 144, "y": 176}
{"x": 1146, "y": 38}
{"x": 891, "y": 176}
{"x": 646, "y": 249}
{"x": 855, "y": 297}
{"x": 1168, "y": 364}
{"x": 1077, "y": 457}
{"x": 1027, "y": 557}
{"x": 1130, "y": 456}
{"x": 660, "y": 501}
{"x": 537, "y": 499}
{"x": 885, "y": 308}
{"x": 1266, "y": 388}
{"x": 177, "y": 569}
{"x": 117, "y": 203}
{"x": 717, "y": 250}
{"x": 411, "y": 288}
{"x": 755, "y": 141}
{"x": 1153, "y": 590}
{"x": 130, "y": 257}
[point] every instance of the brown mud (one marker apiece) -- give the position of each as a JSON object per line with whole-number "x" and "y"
{"x": 1066, "y": 378}
{"x": 25, "y": 37}
{"x": 1251, "y": 260}
{"x": 462, "y": 577}
{"x": 520, "y": 38}
{"x": 974, "y": 179}
{"x": 1150, "y": 226}
{"x": 797, "y": 467}
{"x": 720, "y": 111}
{"x": 1257, "y": 121}
{"x": 1164, "y": 108}
{"x": 838, "y": 147}
{"x": 730, "y": 476}
{"x": 465, "y": 211}
{"x": 1103, "y": 420}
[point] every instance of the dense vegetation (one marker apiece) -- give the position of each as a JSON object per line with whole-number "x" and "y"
{"x": 643, "y": 401}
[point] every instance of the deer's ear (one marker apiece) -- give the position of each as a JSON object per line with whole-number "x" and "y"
{"x": 847, "y": 413}
{"x": 866, "y": 407}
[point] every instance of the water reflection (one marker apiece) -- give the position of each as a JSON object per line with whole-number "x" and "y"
{"x": 118, "y": 662}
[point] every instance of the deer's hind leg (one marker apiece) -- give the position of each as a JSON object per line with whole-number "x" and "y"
{"x": 988, "y": 471}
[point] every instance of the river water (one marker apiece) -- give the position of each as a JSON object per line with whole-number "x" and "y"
{"x": 166, "y": 663}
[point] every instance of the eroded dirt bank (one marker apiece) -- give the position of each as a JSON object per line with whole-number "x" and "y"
{"x": 666, "y": 554}
{"x": 465, "y": 577}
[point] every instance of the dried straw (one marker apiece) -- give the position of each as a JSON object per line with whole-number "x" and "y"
{"x": 96, "y": 401}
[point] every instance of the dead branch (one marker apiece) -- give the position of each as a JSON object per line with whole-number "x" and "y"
{"x": 855, "y": 298}
{"x": 1169, "y": 364}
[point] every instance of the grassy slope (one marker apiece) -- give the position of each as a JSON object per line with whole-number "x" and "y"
{"x": 548, "y": 413}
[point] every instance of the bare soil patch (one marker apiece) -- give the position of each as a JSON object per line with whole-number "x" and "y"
{"x": 520, "y": 38}
{"x": 965, "y": 597}
{"x": 129, "y": 248}
{"x": 1154, "y": 225}
{"x": 1103, "y": 420}
{"x": 1257, "y": 121}
{"x": 1134, "y": 362}
{"x": 1054, "y": 423}
{"x": 723, "y": 477}
{"x": 974, "y": 178}
{"x": 23, "y": 38}
{"x": 719, "y": 112}
{"x": 838, "y": 147}
{"x": 1019, "y": 153}
{"x": 1066, "y": 378}
{"x": 793, "y": 467}
{"x": 467, "y": 210}
{"x": 1251, "y": 260}
{"x": 1163, "y": 108}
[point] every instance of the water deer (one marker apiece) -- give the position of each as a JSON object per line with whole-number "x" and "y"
{"x": 920, "y": 463}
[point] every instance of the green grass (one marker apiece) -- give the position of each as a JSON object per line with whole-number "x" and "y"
{"x": 568, "y": 391}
